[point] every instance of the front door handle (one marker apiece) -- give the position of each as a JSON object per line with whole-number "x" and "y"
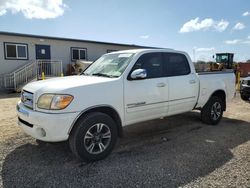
{"x": 161, "y": 84}
{"x": 192, "y": 81}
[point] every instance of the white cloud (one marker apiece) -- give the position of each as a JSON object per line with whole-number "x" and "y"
{"x": 246, "y": 13}
{"x": 144, "y": 36}
{"x": 221, "y": 25}
{"x": 205, "y": 57}
{"x": 204, "y": 49}
{"x": 39, "y": 9}
{"x": 2, "y": 12}
{"x": 205, "y": 24}
{"x": 203, "y": 54}
{"x": 246, "y": 42}
{"x": 236, "y": 41}
{"x": 239, "y": 26}
{"x": 248, "y": 37}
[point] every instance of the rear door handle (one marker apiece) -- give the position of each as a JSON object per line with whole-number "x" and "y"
{"x": 161, "y": 84}
{"x": 192, "y": 81}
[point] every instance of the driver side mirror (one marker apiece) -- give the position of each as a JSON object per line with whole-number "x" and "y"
{"x": 139, "y": 74}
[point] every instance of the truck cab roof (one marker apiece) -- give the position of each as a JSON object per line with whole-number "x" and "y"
{"x": 147, "y": 50}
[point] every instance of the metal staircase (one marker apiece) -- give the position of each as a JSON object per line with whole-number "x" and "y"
{"x": 36, "y": 70}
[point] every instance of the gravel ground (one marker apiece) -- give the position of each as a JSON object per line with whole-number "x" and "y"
{"x": 178, "y": 151}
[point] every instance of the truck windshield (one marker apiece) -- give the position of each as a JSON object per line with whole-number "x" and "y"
{"x": 109, "y": 65}
{"x": 221, "y": 58}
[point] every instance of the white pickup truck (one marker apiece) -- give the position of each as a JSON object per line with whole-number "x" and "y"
{"x": 119, "y": 89}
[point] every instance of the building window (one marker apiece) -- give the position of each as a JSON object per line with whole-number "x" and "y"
{"x": 109, "y": 51}
{"x": 16, "y": 51}
{"x": 78, "y": 54}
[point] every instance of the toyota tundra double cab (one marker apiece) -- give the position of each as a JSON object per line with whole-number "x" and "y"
{"x": 120, "y": 89}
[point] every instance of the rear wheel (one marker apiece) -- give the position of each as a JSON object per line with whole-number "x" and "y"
{"x": 212, "y": 112}
{"x": 41, "y": 143}
{"x": 93, "y": 137}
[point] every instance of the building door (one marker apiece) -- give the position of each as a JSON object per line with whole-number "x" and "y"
{"x": 43, "y": 65}
{"x": 42, "y": 51}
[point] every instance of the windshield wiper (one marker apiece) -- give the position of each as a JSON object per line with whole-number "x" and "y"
{"x": 104, "y": 75}
{"x": 85, "y": 74}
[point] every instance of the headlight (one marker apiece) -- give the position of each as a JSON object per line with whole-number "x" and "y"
{"x": 244, "y": 82}
{"x": 53, "y": 101}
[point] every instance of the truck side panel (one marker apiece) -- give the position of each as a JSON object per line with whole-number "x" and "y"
{"x": 210, "y": 83}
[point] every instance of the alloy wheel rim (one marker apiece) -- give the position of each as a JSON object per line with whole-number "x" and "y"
{"x": 216, "y": 111}
{"x": 97, "y": 138}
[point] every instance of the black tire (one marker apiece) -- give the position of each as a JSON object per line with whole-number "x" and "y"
{"x": 87, "y": 125}
{"x": 244, "y": 97}
{"x": 41, "y": 143}
{"x": 208, "y": 111}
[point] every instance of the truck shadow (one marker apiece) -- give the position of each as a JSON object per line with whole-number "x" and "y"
{"x": 163, "y": 153}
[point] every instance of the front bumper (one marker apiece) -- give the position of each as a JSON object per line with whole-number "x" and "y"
{"x": 45, "y": 126}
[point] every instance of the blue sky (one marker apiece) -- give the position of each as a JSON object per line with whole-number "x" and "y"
{"x": 203, "y": 26}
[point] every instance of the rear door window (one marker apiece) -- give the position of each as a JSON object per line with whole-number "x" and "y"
{"x": 175, "y": 64}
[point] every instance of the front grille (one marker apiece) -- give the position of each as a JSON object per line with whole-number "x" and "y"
{"x": 27, "y": 99}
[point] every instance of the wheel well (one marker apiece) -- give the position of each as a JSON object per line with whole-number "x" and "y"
{"x": 221, "y": 94}
{"x": 106, "y": 110}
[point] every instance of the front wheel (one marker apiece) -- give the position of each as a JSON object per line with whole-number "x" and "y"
{"x": 212, "y": 112}
{"x": 93, "y": 137}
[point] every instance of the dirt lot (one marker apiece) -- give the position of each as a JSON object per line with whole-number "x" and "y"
{"x": 177, "y": 151}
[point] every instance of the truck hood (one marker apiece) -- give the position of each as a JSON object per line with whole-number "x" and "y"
{"x": 57, "y": 85}
{"x": 247, "y": 78}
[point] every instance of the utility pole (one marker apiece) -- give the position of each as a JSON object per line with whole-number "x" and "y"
{"x": 194, "y": 51}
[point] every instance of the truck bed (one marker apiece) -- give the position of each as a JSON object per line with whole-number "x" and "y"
{"x": 212, "y": 81}
{"x": 215, "y": 72}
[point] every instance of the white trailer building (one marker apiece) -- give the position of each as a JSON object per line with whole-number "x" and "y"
{"x": 20, "y": 55}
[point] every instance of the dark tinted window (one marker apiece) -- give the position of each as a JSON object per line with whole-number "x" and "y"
{"x": 16, "y": 51}
{"x": 21, "y": 50}
{"x": 175, "y": 64}
{"x": 75, "y": 54}
{"x": 109, "y": 51}
{"x": 11, "y": 51}
{"x": 78, "y": 53}
{"x": 82, "y": 54}
{"x": 152, "y": 62}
